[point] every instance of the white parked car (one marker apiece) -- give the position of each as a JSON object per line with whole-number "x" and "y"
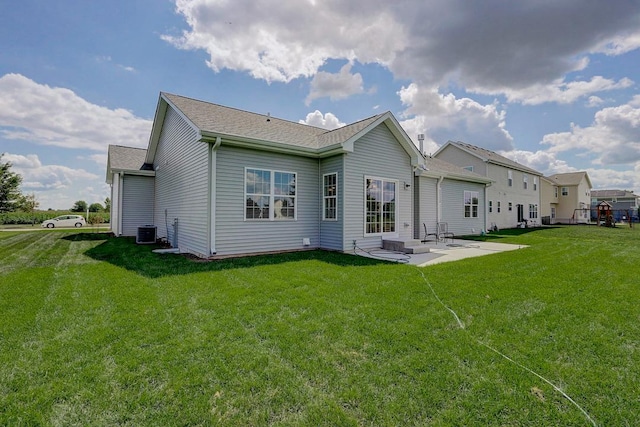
{"x": 65, "y": 221}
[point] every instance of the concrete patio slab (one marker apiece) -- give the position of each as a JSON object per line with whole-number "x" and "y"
{"x": 444, "y": 252}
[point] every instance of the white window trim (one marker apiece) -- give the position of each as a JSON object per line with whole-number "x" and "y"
{"x": 471, "y": 205}
{"x": 325, "y": 197}
{"x": 271, "y": 196}
{"x": 535, "y": 183}
{"x": 525, "y": 182}
{"x": 364, "y": 207}
{"x": 510, "y": 178}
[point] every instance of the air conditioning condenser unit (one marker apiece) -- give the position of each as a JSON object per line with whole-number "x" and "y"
{"x": 146, "y": 234}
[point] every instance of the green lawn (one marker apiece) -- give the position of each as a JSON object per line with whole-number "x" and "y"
{"x": 100, "y": 331}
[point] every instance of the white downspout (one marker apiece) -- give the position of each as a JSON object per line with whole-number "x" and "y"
{"x": 120, "y": 187}
{"x": 486, "y": 207}
{"x": 439, "y": 199}
{"x": 213, "y": 150}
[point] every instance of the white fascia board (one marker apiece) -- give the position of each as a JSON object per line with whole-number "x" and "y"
{"x": 134, "y": 172}
{"x": 158, "y": 123}
{"x": 449, "y": 175}
{"x": 403, "y": 138}
{"x": 258, "y": 144}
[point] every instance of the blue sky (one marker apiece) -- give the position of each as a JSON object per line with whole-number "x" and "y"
{"x": 553, "y": 85}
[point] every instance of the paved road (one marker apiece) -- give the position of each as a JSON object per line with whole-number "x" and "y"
{"x": 39, "y": 228}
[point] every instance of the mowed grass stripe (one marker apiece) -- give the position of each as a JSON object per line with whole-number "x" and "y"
{"x": 123, "y": 336}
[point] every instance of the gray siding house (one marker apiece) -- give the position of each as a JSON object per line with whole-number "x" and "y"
{"x": 513, "y": 199}
{"x": 218, "y": 181}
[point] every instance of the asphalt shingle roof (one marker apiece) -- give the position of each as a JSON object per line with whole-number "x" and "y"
{"x": 229, "y": 121}
{"x": 126, "y": 158}
{"x": 494, "y": 157}
{"x": 612, "y": 193}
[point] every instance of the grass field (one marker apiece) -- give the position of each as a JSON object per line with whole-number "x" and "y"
{"x": 99, "y": 331}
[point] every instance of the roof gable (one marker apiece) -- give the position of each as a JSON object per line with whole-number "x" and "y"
{"x": 487, "y": 156}
{"x": 570, "y": 178}
{"x": 259, "y": 131}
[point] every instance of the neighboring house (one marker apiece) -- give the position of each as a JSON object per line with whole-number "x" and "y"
{"x": 218, "y": 181}
{"x": 566, "y": 198}
{"x": 622, "y": 202}
{"x": 513, "y": 199}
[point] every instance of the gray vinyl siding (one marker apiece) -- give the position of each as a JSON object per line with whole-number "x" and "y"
{"x": 234, "y": 234}
{"x": 137, "y": 203}
{"x": 453, "y": 207}
{"x": 377, "y": 154}
{"x": 426, "y": 205}
{"x": 182, "y": 185}
{"x": 458, "y": 157}
{"x": 330, "y": 230}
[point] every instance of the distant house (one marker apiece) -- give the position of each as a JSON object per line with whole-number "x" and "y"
{"x": 565, "y": 198}
{"x": 513, "y": 199}
{"x": 218, "y": 181}
{"x": 622, "y": 202}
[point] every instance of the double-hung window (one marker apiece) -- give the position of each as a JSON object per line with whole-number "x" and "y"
{"x": 269, "y": 195}
{"x": 380, "y": 205}
{"x": 525, "y": 181}
{"x": 533, "y": 211}
{"x": 330, "y": 197}
{"x": 471, "y": 204}
{"x": 510, "y": 178}
{"x": 535, "y": 183}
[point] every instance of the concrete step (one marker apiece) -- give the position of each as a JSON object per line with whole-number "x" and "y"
{"x": 408, "y": 246}
{"x": 416, "y": 249}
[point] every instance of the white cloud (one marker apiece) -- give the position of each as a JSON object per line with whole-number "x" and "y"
{"x": 542, "y": 161}
{"x": 289, "y": 39}
{"x": 559, "y": 91}
{"x": 620, "y": 44}
{"x": 614, "y": 135}
{"x": 335, "y": 86}
{"x": 35, "y": 175}
{"x": 594, "y": 101}
{"x": 326, "y": 121}
{"x": 58, "y": 117}
{"x": 615, "y": 179}
{"x": 445, "y": 117}
{"x": 491, "y": 47}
